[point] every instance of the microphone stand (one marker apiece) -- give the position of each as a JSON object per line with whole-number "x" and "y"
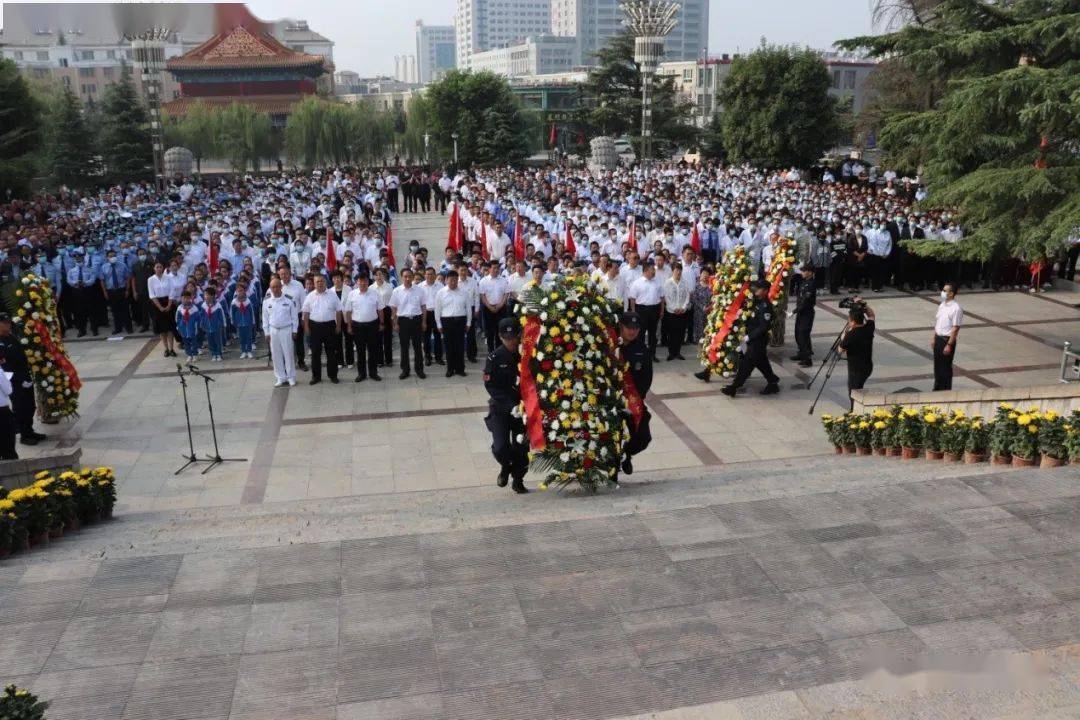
{"x": 216, "y": 458}
{"x": 191, "y": 458}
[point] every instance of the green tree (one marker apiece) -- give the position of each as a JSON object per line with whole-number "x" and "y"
{"x": 302, "y": 132}
{"x": 371, "y": 133}
{"x": 417, "y": 122}
{"x": 244, "y": 137}
{"x": 323, "y": 132}
{"x": 612, "y": 103}
{"x": 476, "y": 106}
{"x": 197, "y": 130}
{"x": 777, "y": 110}
{"x": 712, "y": 140}
{"x": 125, "y": 133}
{"x": 1000, "y": 145}
{"x": 71, "y": 158}
{"x": 20, "y": 132}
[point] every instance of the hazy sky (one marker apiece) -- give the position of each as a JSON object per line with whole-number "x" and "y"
{"x": 368, "y": 33}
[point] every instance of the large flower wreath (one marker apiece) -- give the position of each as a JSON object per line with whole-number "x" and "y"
{"x": 574, "y": 387}
{"x": 731, "y": 308}
{"x": 56, "y": 381}
{"x": 777, "y": 276}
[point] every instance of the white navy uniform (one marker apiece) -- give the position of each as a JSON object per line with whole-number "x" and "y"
{"x": 280, "y": 321}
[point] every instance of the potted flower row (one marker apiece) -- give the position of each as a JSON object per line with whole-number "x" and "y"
{"x": 53, "y": 505}
{"x": 19, "y": 704}
{"x": 1012, "y": 437}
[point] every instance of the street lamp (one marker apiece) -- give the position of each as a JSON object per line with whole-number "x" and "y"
{"x": 651, "y": 21}
{"x": 427, "y": 155}
{"x": 455, "y": 137}
{"x": 148, "y": 52}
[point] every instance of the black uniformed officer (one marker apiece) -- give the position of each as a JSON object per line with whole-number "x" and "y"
{"x": 805, "y": 292}
{"x": 838, "y": 251}
{"x": 501, "y": 380}
{"x": 757, "y": 338}
{"x": 637, "y": 356}
{"x": 13, "y": 360}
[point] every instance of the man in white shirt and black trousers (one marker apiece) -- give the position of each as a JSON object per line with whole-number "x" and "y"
{"x": 950, "y": 316}
{"x": 364, "y": 323}
{"x": 322, "y": 323}
{"x": 407, "y": 309}
{"x": 494, "y": 292}
{"x": 646, "y": 296}
{"x": 452, "y": 319}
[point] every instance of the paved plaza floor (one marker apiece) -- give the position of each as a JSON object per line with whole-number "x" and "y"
{"x": 360, "y": 563}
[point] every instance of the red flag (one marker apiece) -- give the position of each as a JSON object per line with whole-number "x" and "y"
{"x": 554, "y": 136}
{"x": 390, "y": 247}
{"x": 453, "y": 241}
{"x": 570, "y": 246}
{"x": 331, "y": 252}
{"x": 633, "y": 233}
{"x": 519, "y": 242}
{"x": 483, "y": 242}
{"x": 695, "y": 239}
{"x": 213, "y": 264}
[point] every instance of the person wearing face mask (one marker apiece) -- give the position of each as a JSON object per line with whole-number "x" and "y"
{"x": 950, "y": 316}
{"x": 141, "y": 271}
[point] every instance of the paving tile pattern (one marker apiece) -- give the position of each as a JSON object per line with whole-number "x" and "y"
{"x": 585, "y": 618}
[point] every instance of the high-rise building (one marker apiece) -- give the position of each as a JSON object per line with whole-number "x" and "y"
{"x": 481, "y": 25}
{"x": 595, "y": 22}
{"x": 405, "y": 69}
{"x": 540, "y": 55}
{"x": 436, "y": 51}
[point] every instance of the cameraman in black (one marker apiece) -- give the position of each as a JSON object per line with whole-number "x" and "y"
{"x": 857, "y": 345}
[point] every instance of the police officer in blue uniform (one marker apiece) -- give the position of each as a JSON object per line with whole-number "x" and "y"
{"x": 757, "y": 340}
{"x": 502, "y": 381}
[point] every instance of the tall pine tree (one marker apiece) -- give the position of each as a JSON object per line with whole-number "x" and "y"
{"x": 1000, "y": 145}
{"x": 71, "y": 159}
{"x": 20, "y": 132}
{"x": 125, "y": 135}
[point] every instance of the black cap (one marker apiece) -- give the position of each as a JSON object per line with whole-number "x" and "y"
{"x": 761, "y": 285}
{"x": 630, "y": 320}
{"x": 4, "y": 317}
{"x": 508, "y": 328}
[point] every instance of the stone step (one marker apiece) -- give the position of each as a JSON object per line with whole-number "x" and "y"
{"x": 271, "y": 524}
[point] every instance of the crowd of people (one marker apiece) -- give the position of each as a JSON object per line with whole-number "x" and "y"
{"x": 307, "y": 259}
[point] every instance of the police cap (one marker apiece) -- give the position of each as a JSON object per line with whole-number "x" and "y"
{"x": 630, "y": 320}
{"x": 508, "y": 328}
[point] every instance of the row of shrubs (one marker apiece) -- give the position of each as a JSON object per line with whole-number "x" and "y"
{"x": 1011, "y": 436}
{"x": 53, "y": 505}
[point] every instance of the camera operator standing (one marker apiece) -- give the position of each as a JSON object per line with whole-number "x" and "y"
{"x": 857, "y": 345}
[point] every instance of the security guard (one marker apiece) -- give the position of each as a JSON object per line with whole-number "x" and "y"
{"x": 13, "y": 360}
{"x": 805, "y": 291}
{"x": 501, "y": 380}
{"x": 639, "y": 360}
{"x": 757, "y": 338}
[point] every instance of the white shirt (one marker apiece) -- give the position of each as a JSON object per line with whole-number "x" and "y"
{"x": 452, "y": 303}
{"x": 430, "y": 291}
{"x": 949, "y": 315}
{"x": 5, "y": 390}
{"x": 363, "y": 307}
{"x": 384, "y": 291}
{"x": 493, "y": 289}
{"x": 279, "y": 313}
{"x": 676, "y": 294}
{"x": 516, "y": 283}
{"x": 644, "y": 291}
{"x": 630, "y": 274}
{"x": 322, "y": 306}
{"x": 158, "y": 287}
{"x": 408, "y": 301}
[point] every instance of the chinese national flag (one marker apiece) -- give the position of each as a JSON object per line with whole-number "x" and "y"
{"x": 213, "y": 263}
{"x": 554, "y": 136}
{"x": 483, "y": 242}
{"x": 390, "y": 246}
{"x": 633, "y": 233}
{"x": 453, "y": 241}
{"x": 519, "y": 242}
{"x": 570, "y": 246}
{"x": 695, "y": 239}
{"x": 331, "y": 251}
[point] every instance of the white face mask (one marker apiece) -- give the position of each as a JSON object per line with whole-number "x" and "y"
{"x": 944, "y": 296}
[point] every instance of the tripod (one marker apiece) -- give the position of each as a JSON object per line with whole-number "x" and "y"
{"x": 830, "y": 360}
{"x": 191, "y": 458}
{"x": 216, "y": 458}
